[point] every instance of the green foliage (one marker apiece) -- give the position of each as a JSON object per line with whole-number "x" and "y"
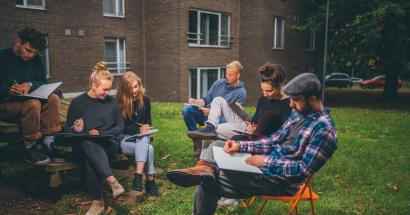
{"x": 365, "y": 36}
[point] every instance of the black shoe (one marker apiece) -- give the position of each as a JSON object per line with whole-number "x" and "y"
{"x": 35, "y": 157}
{"x": 152, "y": 188}
{"x": 137, "y": 182}
{"x": 54, "y": 154}
{"x": 206, "y": 133}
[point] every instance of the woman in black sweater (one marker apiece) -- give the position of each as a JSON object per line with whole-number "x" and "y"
{"x": 97, "y": 113}
{"x": 136, "y": 110}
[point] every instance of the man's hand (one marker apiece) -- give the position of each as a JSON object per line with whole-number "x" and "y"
{"x": 204, "y": 110}
{"x": 15, "y": 90}
{"x": 191, "y": 101}
{"x": 256, "y": 160}
{"x": 25, "y": 87}
{"x": 231, "y": 146}
{"x": 145, "y": 128}
{"x": 94, "y": 132}
{"x": 78, "y": 125}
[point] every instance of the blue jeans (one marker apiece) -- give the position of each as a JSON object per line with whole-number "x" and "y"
{"x": 193, "y": 116}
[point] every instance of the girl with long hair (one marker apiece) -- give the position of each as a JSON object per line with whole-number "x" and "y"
{"x": 136, "y": 111}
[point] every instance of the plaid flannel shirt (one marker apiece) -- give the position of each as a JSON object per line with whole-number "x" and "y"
{"x": 293, "y": 163}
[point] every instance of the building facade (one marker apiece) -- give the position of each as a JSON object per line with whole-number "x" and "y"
{"x": 178, "y": 47}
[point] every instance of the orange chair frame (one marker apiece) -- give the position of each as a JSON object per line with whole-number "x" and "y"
{"x": 305, "y": 193}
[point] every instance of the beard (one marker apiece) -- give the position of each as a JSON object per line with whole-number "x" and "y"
{"x": 306, "y": 109}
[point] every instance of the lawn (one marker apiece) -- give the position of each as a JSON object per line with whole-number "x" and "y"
{"x": 369, "y": 173}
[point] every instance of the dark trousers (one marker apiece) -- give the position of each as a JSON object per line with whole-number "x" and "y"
{"x": 97, "y": 167}
{"x": 236, "y": 185}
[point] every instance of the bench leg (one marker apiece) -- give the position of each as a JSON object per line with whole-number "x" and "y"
{"x": 55, "y": 179}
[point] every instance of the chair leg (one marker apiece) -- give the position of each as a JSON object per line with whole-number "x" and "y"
{"x": 262, "y": 207}
{"x": 311, "y": 201}
{"x": 297, "y": 209}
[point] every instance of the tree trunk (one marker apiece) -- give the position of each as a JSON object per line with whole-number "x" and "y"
{"x": 390, "y": 86}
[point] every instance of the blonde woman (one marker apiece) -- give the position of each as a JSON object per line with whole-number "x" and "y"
{"x": 136, "y": 110}
{"x": 97, "y": 113}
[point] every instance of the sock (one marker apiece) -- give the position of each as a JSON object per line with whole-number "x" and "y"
{"x": 29, "y": 143}
{"x": 48, "y": 141}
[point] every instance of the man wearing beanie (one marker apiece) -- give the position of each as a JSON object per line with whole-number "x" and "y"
{"x": 289, "y": 156}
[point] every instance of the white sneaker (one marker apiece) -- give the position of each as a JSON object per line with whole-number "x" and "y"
{"x": 96, "y": 209}
{"x": 227, "y": 202}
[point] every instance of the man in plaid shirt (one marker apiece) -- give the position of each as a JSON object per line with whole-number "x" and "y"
{"x": 287, "y": 157}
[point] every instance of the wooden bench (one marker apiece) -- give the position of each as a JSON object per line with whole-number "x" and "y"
{"x": 13, "y": 129}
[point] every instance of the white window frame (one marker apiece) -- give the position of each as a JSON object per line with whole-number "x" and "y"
{"x": 198, "y": 26}
{"x": 119, "y": 70}
{"x": 35, "y": 7}
{"x": 312, "y": 41}
{"x": 116, "y": 10}
{"x": 198, "y": 79}
{"x": 275, "y": 33}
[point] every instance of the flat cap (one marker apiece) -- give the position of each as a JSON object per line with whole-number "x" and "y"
{"x": 305, "y": 84}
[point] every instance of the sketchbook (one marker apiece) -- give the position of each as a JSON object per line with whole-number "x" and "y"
{"x": 234, "y": 162}
{"x": 133, "y": 138}
{"x": 43, "y": 91}
{"x": 80, "y": 135}
{"x": 270, "y": 122}
{"x": 186, "y": 104}
{"x": 237, "y": 108}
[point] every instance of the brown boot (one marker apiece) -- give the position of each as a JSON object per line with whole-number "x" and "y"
{"x": 197, "y": 148}
{"x": 202, "y": 172}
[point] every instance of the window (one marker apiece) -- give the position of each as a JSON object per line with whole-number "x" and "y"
{"x": 32, "y": 4}
{"x": 311, "y": 41}
{"x": 208, "y": 29}
{"x": 201, "y": 79}
{"x": 44, "y": 58}
{"x": 114, "y": 8}
{"x": 278, "y": 32}
{"x": 114, "y": 53}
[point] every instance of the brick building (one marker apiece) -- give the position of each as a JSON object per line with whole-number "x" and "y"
{"x": 178, "y": 47}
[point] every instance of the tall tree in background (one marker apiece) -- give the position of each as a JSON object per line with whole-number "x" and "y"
{"x": 365, "y": 35}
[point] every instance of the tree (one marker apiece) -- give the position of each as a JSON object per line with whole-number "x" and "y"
{"x": 372, "y": 34}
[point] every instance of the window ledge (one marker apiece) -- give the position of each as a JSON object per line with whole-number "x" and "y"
{"x": 117, "y": 74}
{"x": 278, "y": 49}
{"x": 31, "y": 8}
{"x": 114, "y": 16}
{"x": 208, "y": 46}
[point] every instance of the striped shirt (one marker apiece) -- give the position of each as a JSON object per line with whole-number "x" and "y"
{"x": 293, "y": 163}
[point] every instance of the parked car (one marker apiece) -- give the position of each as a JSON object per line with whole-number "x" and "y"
{"x": 377, "y": 82}
{"x": 356, "y": 80}
{"x": 338, "y": 80}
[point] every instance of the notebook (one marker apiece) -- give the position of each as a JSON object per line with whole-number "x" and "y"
{"x": 234, "y": 162}
{"x": 43, "y": 91}
{"x": 270, "y": 122}
{"x": 134, "y": 138}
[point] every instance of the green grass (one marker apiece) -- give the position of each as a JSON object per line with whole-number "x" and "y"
{"x": 373, "y": 155}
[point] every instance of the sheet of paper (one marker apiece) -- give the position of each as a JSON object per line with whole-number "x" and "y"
{"x": 235, "y": 161}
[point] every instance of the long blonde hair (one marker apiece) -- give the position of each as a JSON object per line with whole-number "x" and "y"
{"x": 100, "y": 72}
{"x": 124, "y": 94}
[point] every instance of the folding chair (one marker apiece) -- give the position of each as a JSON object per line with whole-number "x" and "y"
{"x": 305, "y": 193}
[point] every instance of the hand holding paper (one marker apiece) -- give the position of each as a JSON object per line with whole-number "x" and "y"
{"x": 256, "y": 160}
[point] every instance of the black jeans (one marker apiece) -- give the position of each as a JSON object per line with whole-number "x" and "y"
{"x": 97, "y": 165}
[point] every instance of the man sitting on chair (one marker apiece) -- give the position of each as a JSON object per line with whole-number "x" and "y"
{"x": 287, "y": 158}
